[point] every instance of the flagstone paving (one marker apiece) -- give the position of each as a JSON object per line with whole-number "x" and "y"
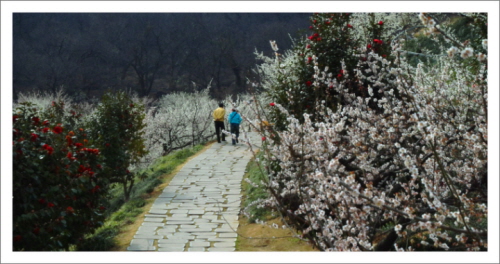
{"x": 198, "y": 210}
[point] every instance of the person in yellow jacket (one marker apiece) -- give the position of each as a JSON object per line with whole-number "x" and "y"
{"x": 219, "y": 115}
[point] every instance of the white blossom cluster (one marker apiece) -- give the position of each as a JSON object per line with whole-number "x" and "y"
{"x": 415, "y": 155}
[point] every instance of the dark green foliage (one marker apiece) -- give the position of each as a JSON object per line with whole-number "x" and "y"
{"x": 117, "y": 128}
{"x": 58, "y": 184}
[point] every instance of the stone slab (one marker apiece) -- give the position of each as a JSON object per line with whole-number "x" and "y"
{"x": 199, "y": 244}
{"x": 214, "y": 249}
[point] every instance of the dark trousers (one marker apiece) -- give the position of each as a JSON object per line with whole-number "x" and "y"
{"x": 235, "y": 129}
{"x": 219, "y": 125}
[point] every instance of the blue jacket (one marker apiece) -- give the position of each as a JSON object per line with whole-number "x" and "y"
{"x": 234, "y": 118}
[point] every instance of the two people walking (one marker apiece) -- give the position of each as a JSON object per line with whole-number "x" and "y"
{"x": 234, "y": 120}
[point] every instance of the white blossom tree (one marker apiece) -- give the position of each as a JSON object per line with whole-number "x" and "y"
{"x": 402, "y": 168}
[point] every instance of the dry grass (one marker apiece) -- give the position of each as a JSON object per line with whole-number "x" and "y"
{"x": 257, "y": 237}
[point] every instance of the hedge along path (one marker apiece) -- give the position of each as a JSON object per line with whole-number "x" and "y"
{"x": 198, "y": 210}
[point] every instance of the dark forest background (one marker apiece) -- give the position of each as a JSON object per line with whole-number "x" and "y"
{"x": 150, "y": 53}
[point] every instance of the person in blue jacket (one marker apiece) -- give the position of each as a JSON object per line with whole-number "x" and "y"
{"x": 234, "y": 121}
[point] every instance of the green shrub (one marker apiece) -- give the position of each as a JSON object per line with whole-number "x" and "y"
{"x": 59, "y": 192}
{"x": 117, "y": 128}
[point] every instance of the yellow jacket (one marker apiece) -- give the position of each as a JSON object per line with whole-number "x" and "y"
{"x": 219, "y": 114}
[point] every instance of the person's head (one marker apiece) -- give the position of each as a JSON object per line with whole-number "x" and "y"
{"x": 221, "y": 105}
{"x": 235, "y": 109}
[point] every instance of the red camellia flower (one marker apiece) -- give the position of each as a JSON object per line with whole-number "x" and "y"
{"x": 383, "y": 55}
{"x": 45, "y": 130}
{"x": 341, "y": 71}
{"x": 70, "y": 210}
{"x": 308, "y": 83}
{"x": 349, "y": 25}
{"x": 339, "y": 76}
{"x": 263, "y": 138}
{"x": 308, "y": 46}
{"x": 45, "y": 123}
{"x": 34, "y": 137}
{"x": 327, "y": 22}
{"x": 272, "y": 104}
{"x": 36, "y": 120}
{"x": 369, "y": 46}
{"x": 50, "y": 205}
{"x": 78, "y": 145}
{"x": 381, "y": 23}
{"x": 49, "y": 149}
{"x": 309, "y": 59}
{"x": 57, "y": 129}
{"x": 378, "y": 41}
{"x": 311, "y": 27}
{"x": 69, "y": 155}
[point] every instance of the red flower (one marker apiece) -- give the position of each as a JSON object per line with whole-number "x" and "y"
{"x": 381, "y": 23}
{"x": 57, "y": 129}
{"x": 369, "y": 46}
{"x": 102, "y": 208}
{"x": 20, "y": 140}
{"x": 272, "y": 104}
{"x": 45, "y": 130}
{"x": 78, "y": 145}
{"x": 45, "y": 123}
{"x": 327, "y": 22}
{"x": 99, "y": 166}
{"x": 81, "y": 168}
{"x": 383, "y": 55}
{"x": 378, "y": 41}
{"x": 41, "y": 201}
{"x": 36, "y": 120}
{"x": 314, "y": 21}
{"x": 311, "y": 27}
{"x": 308, "y": 46}
{"x": 339, "y": 75}
{"x": 341, "y": 71}
{"x": 263, "y": 138}
{"x": 70, "y": 210}
{"x": 34, "y": 137}
{"x": 49, "y": 149}
{"x": 131, "y": 105}
{"x": 318, "y": 39}
{"x": 309, "y": 59}
{"x": 349, "y": 25}
{"x": 69, "y": 155}
{"x": 308, "y": 83}
{"x": 50, "y": 205}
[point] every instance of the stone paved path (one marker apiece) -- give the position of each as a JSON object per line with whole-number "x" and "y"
{"x": 198, "y": 210}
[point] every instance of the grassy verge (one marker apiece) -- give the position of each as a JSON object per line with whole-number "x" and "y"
{"x": 122, "y": 222}
{"x": 258, "y": 237}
